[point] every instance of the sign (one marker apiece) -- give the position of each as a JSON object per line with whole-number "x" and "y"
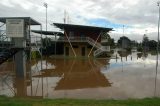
{"x": 15, "y": 28}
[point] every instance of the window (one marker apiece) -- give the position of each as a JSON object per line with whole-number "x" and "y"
{"x": 75, "y": 46}
{"x": 71, "y": 34}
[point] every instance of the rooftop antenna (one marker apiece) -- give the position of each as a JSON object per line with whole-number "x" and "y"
{"x": 65, "y": 13}
{"x": 68, "y": 19}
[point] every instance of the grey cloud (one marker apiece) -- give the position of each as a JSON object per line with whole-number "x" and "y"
{"x": 142, "y": 12}
{"x": 133, "y": 13}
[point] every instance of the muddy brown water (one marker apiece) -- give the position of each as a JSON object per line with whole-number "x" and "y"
{"x": 128, "y": 76}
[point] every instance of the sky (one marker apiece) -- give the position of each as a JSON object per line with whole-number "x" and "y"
{"x": 138, "y": 17}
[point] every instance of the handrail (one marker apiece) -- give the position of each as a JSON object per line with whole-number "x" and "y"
{"x": 92, "y": 42}
{"x": 80, "y": 39}
{"x": 99, "y": 47}
{"x": 102, "y": 49}
{"x": 72, "y": 39}
{"x": 2, "y": 25}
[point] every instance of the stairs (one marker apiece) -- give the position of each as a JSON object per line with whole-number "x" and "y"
{"x": 100, "y": 49}
{"x": 93, "y": 43}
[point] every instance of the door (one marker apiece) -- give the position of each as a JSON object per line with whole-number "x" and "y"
{"x": 83, "y": 51}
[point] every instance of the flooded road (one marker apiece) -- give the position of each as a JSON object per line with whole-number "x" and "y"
{"x": 123, "y": 76}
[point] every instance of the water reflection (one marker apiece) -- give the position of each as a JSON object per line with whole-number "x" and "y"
{"x": 129, "y": 75}
{"x": 139, "y": 55}
{"x": 155, "y": 93}
{"x": 77, "y": 74}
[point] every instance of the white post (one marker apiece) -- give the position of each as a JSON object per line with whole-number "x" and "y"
{"x": 155, "y": 89}
{"x": 158, "y": 3}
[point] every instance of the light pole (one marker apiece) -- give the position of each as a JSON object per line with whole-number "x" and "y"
{"x": 158, "y": 4}
{"x": 46, "y": 6}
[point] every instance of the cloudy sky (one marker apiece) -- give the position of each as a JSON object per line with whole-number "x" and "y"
{"x": 137, "y": 16}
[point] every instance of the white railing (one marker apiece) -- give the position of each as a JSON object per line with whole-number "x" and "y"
{"x": 104, "y": 40}
{"x": 97, "y": 52}
{"x": 73, "y": 39}
{"x": 101, "y": 50}
{"x": 36, "y": 41}
{"x": 3, "y": 36}
{"x": 93, "y": 43}
{"x": 80, "y": 39}
{"x": 106, "y": 48}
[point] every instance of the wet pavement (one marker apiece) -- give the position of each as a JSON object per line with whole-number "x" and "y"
{"x": 123, "y": 76}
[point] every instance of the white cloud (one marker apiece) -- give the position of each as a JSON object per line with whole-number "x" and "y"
{"x": 7, "y": 3}
{"x": 141, "y": 15}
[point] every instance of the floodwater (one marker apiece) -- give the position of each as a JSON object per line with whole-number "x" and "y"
{"x": 122, "y": 76}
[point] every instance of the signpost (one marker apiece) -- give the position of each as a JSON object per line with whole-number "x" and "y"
{"x": 15, "y": 28}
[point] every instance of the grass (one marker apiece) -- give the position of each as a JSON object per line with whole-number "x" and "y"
{"x": 6, "y": 101}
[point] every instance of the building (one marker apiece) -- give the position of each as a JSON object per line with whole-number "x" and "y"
{"x": 48, "y": 46}
{"x": 83, "y": 41}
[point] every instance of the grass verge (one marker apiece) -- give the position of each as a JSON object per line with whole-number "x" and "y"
{"x": 6, "y": 101}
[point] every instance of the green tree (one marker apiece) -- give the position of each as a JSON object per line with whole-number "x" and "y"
{"x": 152, "y": 45}
{"x": 107, "y": 40}
{"x": 123, "y": 38}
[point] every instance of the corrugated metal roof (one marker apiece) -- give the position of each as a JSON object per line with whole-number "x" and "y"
{"x": 27, "y": 20}
{"x": 81, "y": 27}
{"x": 48, "y": 32}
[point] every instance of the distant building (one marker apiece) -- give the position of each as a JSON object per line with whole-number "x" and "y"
{"x": 145, "y": 43}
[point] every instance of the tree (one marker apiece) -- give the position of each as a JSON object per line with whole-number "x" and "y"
{"x": 124, "y": 41}
{"x": 46, "y": 42}
{"x": 107, "y": 40}
{"x": 152, "y": 45}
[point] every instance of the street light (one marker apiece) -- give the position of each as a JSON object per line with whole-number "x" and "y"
{"x": 155, "y": 89}
{"x": 158, "y": 4}
{"x": 46, "y": 6}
